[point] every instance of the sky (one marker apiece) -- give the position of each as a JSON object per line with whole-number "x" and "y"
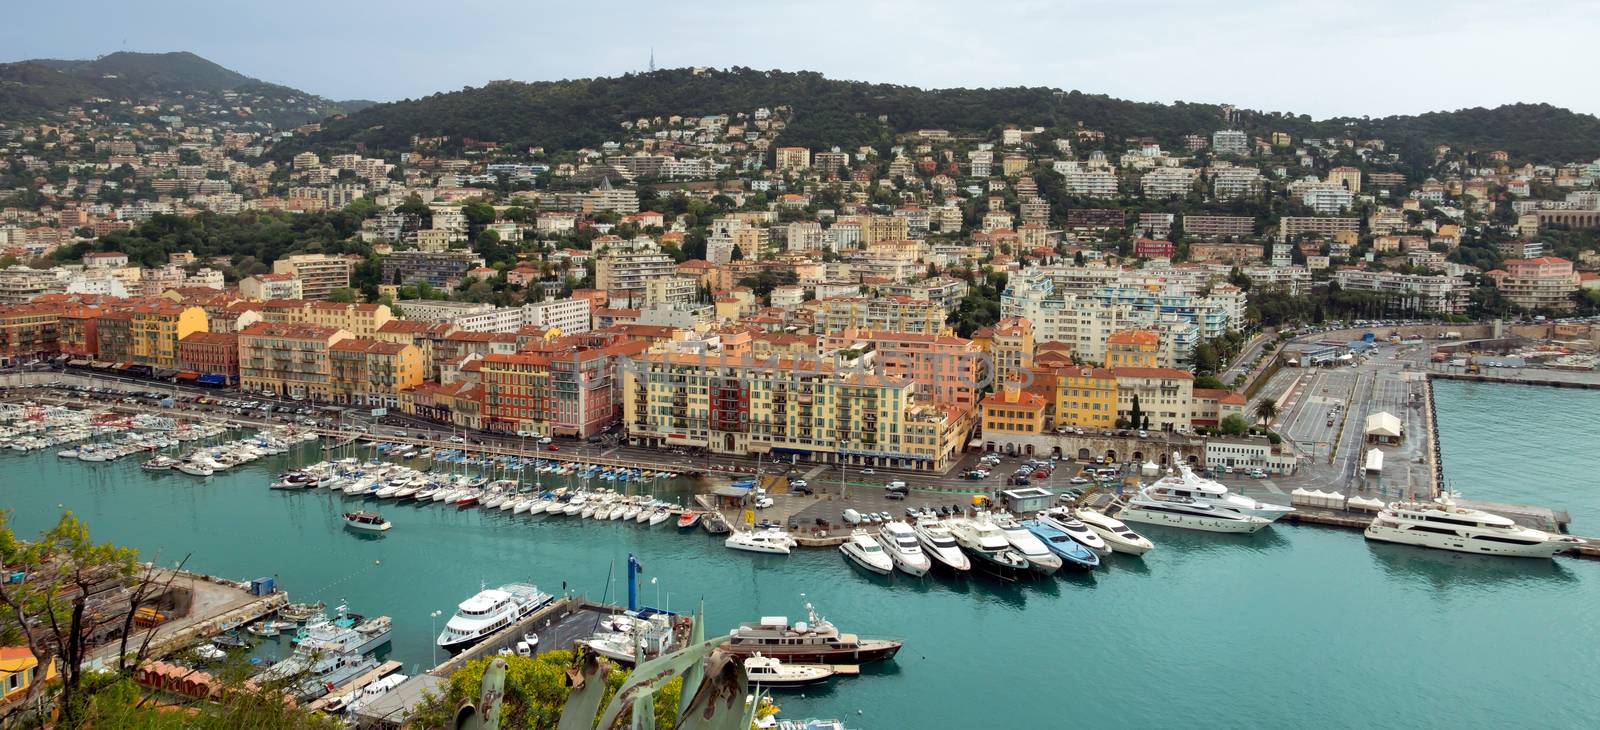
{"x": 1338, "y": 58}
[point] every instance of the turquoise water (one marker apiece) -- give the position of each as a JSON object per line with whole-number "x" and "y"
{"x": 1523, "y": 444}
{"x": 1292, "y": 627}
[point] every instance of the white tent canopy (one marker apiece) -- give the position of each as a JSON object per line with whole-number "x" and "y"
{"x": 1375, "y": 460}
{"x": 1383, "y": 424}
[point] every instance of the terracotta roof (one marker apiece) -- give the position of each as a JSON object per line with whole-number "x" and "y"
{"x": 1154, "y": 373}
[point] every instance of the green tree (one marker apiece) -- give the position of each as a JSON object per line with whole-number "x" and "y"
{"x": 1135, "y": 414}
{"x": 342, "y": 294}
{"x": 1234, "y": 425}
{"x": 535, "y": 692}
{"x": 1265, "y": 410}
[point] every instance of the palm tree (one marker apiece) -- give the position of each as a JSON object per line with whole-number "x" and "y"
{"x": 1266, "y": 410}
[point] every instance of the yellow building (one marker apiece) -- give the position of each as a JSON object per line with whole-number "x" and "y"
{"x": 1086, "y": 397}
{"x": 372, "y": 372}
{"x": 1011, "y": 348}
{"x": 360, "y": 320}
{"x": 289, "y": 359}
{"x": 1133, "y": 349}
{"x": 790, "y": 410}
{"x": 1013, "y": 411}
{"x": 154, "y": 328}
{"x": 19, "y": 670}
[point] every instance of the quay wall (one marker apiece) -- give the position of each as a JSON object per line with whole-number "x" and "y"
{"x": 557, "y": 610}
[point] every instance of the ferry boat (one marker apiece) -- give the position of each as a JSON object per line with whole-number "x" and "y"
{"x": 1175, "y": 511}
{"x": 864, "y": 551}
{"x": 1186, "y": 484}
{"x": 1442, "y": 524}
{"x": 366, "y": 522}
{"x": 814, "y": 640}
{"x": 491, "y": 610}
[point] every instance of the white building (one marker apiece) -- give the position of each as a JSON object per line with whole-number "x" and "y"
{"x": 571, "y": 315}
{"x": 1230, "y": 142}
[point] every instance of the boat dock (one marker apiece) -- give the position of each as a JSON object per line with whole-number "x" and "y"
{"x": 215, "y": 606}
{"x": 494, "y": 450}
{"x": 551, "y": 624}
{"x": 383, "y": 670}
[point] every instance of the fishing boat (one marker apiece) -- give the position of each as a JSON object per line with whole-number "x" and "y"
{"x": 366, "y": 522}
{"x": 301, "y": 611}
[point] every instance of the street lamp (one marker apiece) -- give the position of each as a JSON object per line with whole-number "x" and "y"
{"x": 433, "y": 623}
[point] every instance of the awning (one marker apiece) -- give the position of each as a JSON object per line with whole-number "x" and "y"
{"x": 119, "y": 366}
{"x": 796, "y": 452}
{"x": 79, "y": 363}
{"x": 165, "y": 372}
{"x": 99, "y": 365}
{"x": 187, "y": 375}
{"x": 212, "y": 379}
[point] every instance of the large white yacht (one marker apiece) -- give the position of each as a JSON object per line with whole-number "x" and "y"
{"x": 1152, "y": 508}
{"x": 489, "y": 611}
{"x": 900, "y": 541}
{"x": 1443, "y": 524}
{"x": 1187, "y": 484}
{"x": 1038, "y": 555}
{"x": 1116, "y": 535}
{"x": 770, "y": 540}
{"x": 1064, "y": 520}
{"x": 864, "y": 551}
{"x": 939, "y": 544}
{"x": 979, "y": 536}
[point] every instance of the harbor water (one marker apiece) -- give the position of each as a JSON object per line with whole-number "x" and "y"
{"x": 1292, "y": 626}
{"x": 1523, "y": 444}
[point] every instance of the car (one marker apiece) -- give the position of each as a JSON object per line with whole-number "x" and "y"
{"x": 457, "y": 439}
{"x": 1144, "y": 434}
{"x": 763, "y": 502}
{"x": 400, "y": 434}
{"x": 544, "y": 441}
{"x": 1078, "y": 480}
{"x": 868, "y": 470}
{"x": 552, "y": 447}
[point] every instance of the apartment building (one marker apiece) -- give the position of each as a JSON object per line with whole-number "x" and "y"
{"x": 438, "y": 268}
{"x": 1325, "y": 198}
{"x": 289, "y": 358}
{"x": 360, "y": 320}
{"x": 1090, "y": 183}
{"x": 369, "y": 372}
{"x": 271, "y": 286}
{"x": 945, "y": 368}
{"x": 891, "y": 314}
{"x": 564, "y": 390}
{"x": 1165, "y": 395}
{"x": 1546, "y": 283}
{"x": 319, "y": 274}
{"x": 1432, "y": 294}
{"x": 210, "y": 353}
{"x": 623, "y": 267}
{"x": 1168, "y": 182}
{"x": 1230, "y": 183}
{"x": 29, "y": 331}
{"x": 794, "y": 411}
{"x": 1218, "y": 226}
{"x": 1346, "y": 177}
{"x": 1327, "y": 227}
{"x": 570, "y": 316}
{"x": 791, "y": 159}
{"x": 1085, "y": 397}
{"x": 1230, "y": 142}
{"x": 1012, "y": 411}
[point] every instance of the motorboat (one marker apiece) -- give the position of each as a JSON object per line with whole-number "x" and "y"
{"x": 1115, "y": 533}
{"x": 159, "y": 463}
{"x": 902, "y": 546}
{"x": 1187, "y": 484}
{"x": 660, "y": 515}
{"x": 330, "y": 652}
{"x": 1040, "y": 557}
{"x": 760, "y": 541}
{"x": 195, "y": 469}
{"x": 939, "y": 545}
{"x": 980, "y": 538}
{"x": 490, "y": 610}
{"x": 1444, "y": 524}
{"x": 366, "y": 522}
{"x": 1174, "y": 511}
{"x": 864, "y": 551}
{"x": 766, "y": 671}
{"x": 1064, "y": 520}
{"x": 688, "y": 520}
{"x": 813, "y": 640}
{"x": 1072, "y": 553}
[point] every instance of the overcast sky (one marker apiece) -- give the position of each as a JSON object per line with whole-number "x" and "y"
{"x": 1350, "y": 57}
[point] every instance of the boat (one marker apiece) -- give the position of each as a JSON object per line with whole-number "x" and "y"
{"x": 760, "y": 541}
{"x": 814, "y": 640}
{"x": 195, "y": 469}
{"x": 688, "y": 520}
{"x": 1114, "y": 532}
{"x": 767, "y": 671}
{"x": 1040, "y": 557}
{"x": 939, "y": 544}
{"x": 1444, "y": 524}
{"x": 1173, "y": 511}
{"x": 301, "y": 611}
{"x": 864, "y": 551}
{"x": 366, "y": 521}
{"x": 1187, "y": 484}
{"x": 1063, "y": 519}
{"x": 1072, "y": 553}
{"x": 980, "y": 538}
{"x": 159, "y": 463}
{"x": 490, "y": 610}
{"x": 210, "y": 653}
{"x": 900, "y": 542}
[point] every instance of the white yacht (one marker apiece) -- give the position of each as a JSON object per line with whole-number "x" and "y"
{"x": 939, "y": 544}
{"x": 1443, "y": 524}
{"x": 979, "y": 536}
{"x": 1174, "y": 511}
{"x": 1062, "y": 519}
{"x": 760, "y": 541}
{"x": 1205, "y": 491}
{"x": 1038, "y": 555}
{"x": 769, "y": 672}
{"x": 864, "y": 551}
{"x": 900, "y": 542}
{"x": 489, "y": 611}
{"x": 1116, "y": 535}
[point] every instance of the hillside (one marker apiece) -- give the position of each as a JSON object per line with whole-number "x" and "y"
{"x": 40, "y": 89}
{"x": 583, "y": 112}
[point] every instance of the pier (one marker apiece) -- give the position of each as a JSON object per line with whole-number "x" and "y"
{"x": 385, "y": 669}
{"x": 216, "y": 606}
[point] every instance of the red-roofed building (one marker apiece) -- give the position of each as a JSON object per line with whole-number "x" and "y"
{"x": 1165, "y": 397}
{"x": 210, "y": 352}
